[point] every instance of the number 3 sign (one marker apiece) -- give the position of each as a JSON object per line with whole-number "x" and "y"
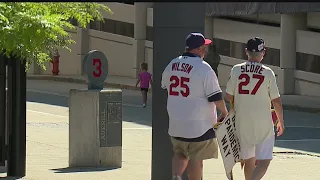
{"x": 95, "y": 69}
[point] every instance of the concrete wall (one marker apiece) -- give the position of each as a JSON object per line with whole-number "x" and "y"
{"x": 241, "y": 32}
{"x": 308, "y": 42}
{"x": 121, "y": 53}
{"x": 149, "y": 55}
{"x": 306, "y": 83}
{"x": 121, "y": 12}
{"x": 150, "y": 17}
{"x": 272, "y": 18}
{"x": 118, "y": 50}
{"x": 69, "y": 61}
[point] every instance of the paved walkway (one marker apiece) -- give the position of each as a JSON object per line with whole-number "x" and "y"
{"x": 47, "y": 141}
{"x": 291, "y": 102}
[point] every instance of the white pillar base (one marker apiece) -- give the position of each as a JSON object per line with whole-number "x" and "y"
{"x": 95, "y": 128}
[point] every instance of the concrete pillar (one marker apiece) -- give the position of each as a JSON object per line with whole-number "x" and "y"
{"x": 140, "y": 34}
{"x": 208, "y": 27}
{"x": 290, "y": 23}
{"x": 172, "y": 22}
{"x": 82, "y": 45}
{"x": 237, "y": 50}
{"x": 95, "y": 128}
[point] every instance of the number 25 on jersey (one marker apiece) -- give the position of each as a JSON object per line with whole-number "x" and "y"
{"x": 179, "y": 83}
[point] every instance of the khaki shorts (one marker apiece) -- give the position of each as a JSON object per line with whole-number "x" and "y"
{"x": 196, "y": 150}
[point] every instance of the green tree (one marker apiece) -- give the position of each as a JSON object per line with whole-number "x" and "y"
{"x": 33, "y": 31}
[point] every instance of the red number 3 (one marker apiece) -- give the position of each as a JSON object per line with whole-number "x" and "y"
{"x": 246, "y": 81}
{"x": 97, "y": 63}
{"x": 175, "y": 82}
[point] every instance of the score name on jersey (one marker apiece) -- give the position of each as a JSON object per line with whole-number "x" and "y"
{"x": 252, "y": 68}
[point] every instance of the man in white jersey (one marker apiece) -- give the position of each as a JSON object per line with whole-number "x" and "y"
{"x": 193, "y": 95}
{"x": 252, "y": 88}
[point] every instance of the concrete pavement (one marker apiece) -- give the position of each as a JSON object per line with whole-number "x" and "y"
{"x": 47, "y": 141}
{"x": 290, "y": 102}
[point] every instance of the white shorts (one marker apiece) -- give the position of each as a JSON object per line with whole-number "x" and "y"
{"x": 260, "y": 152}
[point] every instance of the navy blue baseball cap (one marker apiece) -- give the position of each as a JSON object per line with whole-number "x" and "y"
{"x": 195, "y": 40}
{"x": 255, "y": 44}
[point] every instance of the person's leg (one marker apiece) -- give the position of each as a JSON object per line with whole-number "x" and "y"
{"x": 199, "y": 151}
{"x": 142, "y": 92}
{"x": 248, "y": 155}
{"x": 144, "y": 96}
{"x": 179, "y": 160}
{"x": 260, "y": 169}
{"x": 249, "y": 166}
{"x": 195, "y": 169}
{"x": 179, "y": 165}
{"x": 264, "y": 156}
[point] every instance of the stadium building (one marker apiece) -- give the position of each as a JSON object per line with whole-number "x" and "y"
{"x": 291, "y": 33}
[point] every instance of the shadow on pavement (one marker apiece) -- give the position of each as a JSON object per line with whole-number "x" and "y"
{"x": 302, "y": 132}
{"x": 306, "y": 147}
{"x": 130, "y": 114}
{"x": 81, "y": 169}
{"x": 10, "y": 178}
{"x": 47, "y": 99}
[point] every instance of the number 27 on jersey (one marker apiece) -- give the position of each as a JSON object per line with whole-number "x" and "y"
{"x": 245, "y": 80}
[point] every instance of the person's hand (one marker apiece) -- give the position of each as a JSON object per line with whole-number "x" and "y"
{"x": 280, "y": 128}
{"x": 221, "y": 117}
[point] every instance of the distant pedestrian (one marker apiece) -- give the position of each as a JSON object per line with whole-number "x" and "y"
{"x": 213, "y": 58}
{"x": 144, "y": 78}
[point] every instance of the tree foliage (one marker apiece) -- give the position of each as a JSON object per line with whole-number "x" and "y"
{"x": 33, "y": 31}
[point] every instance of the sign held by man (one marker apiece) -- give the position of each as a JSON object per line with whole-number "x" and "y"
{"x": 228, "y": 143}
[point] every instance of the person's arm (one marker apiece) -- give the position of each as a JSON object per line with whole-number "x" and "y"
{"x": 164, "y": 78}
{"x": 138, "y": 80}
{"x": 230, "y": 89}
{"x": 230, "y": 99}
{"x": 276, "y": 102}
{"x": 214, "y": 93}
{"x": 151, "y": 82}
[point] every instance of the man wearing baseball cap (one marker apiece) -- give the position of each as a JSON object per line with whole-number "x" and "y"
{"x": 252, "y": 88}
{"x": 193, "y": 96}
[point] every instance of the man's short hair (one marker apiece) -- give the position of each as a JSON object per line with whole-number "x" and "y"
{"x": 254, "y": 54}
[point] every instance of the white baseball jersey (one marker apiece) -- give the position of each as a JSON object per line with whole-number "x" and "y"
{"x": 189, "y": 82}
{"x": 253, "y": 86}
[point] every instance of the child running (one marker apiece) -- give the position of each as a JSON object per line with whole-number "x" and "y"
{"x": 144, "y": 78}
